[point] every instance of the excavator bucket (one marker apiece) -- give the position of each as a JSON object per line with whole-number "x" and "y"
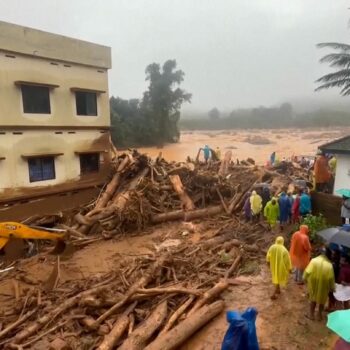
{"x": 65, "y": 250}
{"x": 14, "y": 249}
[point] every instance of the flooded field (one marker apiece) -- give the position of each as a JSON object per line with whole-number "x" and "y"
{"x": 257, "y": 144}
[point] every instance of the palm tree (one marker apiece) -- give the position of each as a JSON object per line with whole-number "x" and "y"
{"x": 340, "y": 61}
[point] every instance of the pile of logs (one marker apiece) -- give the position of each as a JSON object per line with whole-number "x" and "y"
{"x": 154, "y": 301}
{"x": 142, "y": 191}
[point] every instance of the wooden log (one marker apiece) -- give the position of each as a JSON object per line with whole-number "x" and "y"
{"x": 118, "y": 205}
{"x": 141, "y": 283}
{"x": 223, "y": 171}
{"x": 208, "y": 295}
{"x": 226, "y": 237}
{"x": 187, "y": 216}
{"x": 50, "y": 316}
{"x": 169, "y": 290}
{"x": 120, "y": 326}
{"x": 140, "y": 336}
{"x": 187, "y": 203}
{"x": 179, "y": 334}
{"x": 18, "y": 322}
{"x": 240, "y": 201}
{"x": 174, "y": 317}
{"x": 112, "y": 338}
{"x": 197, "y": 156}
{"x": 233, "y": 267}
{"x": 111, "y": 187}
{"x": 222, "y": 201}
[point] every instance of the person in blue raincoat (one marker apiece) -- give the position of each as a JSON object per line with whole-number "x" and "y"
{"x": 305, "y": 204}
{"x": 207, "y": 152}
{"x": 285, "y": 209}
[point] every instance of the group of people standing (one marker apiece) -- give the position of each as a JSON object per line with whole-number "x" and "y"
{"x": 320, "y": 273}
{"x": 284, "y": 208}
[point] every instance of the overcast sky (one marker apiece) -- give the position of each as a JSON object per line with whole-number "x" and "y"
{"x": 235, "y": 53}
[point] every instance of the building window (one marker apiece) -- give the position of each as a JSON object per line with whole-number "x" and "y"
{"x": 86, "y": 103}
{"x": 89, "y": 163}
{"x": 36, "y": 99}
{"x": 41, "y": 168}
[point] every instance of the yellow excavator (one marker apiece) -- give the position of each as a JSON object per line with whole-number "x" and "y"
{"x": 13, "y": 232}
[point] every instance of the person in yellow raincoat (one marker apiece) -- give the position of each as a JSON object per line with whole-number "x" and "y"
{"x": 255, "y": 205}
{"x": 272, "y": 212}
{"x": 278, "y": 259}
{"x": 319, "y": 275}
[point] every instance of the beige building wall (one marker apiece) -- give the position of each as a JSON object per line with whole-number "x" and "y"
{"x": 63, "y": 109}
{"x": 64, "y": 64}
{"x": 16, "y": 148}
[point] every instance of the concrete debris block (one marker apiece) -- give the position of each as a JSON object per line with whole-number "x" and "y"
{"x": 59, "y": 344}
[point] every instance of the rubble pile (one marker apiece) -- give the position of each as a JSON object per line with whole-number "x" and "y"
{"x": 144, "y": 302}
{"x": 158, "y": 300}
{"x": 142, "y": 191}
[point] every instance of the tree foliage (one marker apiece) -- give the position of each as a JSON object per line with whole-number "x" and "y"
{"x": 341, "y": 62}
{"x": 153, "y": 119}
{"x": 214, "y": 114}
{"x": 267, "y": 118}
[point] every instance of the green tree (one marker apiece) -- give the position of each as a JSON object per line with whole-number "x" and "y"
{"x": 162, "y": 101}
{"x": 214, "y": 114}
{"x": 341, "y": 62}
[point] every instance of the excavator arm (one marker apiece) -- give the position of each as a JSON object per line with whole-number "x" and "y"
{"x": 10, "y": 230}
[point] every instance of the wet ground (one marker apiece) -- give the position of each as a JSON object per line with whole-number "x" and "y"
{"x": 281, "y": 324}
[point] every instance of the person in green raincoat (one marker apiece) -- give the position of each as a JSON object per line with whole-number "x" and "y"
{"x": 278, "y": 259}
{"x": 319, "y": 276}
{"x": 272, "y": 212}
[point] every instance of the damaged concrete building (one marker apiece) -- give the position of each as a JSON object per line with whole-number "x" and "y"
{"x": 54, "y": 116}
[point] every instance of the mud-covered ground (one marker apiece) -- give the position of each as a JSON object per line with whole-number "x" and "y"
{"x": 257, "y": 144}
{"x": 280, "y": 325}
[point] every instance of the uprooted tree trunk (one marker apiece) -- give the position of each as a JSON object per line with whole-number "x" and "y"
{"x": 186, "y": 201}
{"x": 119, "y": 327}
{"x": 187, "y": 216}
{"x": 118, "y": 204}
{"x": 176, "y": 336}
{"x": 174, "y": 317}
{"x": 234, "y": 266}
{"x": 139, "y": 337}
{"x": 225, "y": 237}
{"x": 111, "y": 187}
{"x": 208, "y": 295}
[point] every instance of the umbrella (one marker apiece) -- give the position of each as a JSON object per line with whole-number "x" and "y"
{"x": 339, "y": 322}
{"x": 344, "y": 192}
{"x": 335, "y": 235}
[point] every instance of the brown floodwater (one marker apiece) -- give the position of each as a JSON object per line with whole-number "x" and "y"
{"x": 286, "y": 142}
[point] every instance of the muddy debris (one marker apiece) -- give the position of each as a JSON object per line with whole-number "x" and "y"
{"x": 145, "y": 299}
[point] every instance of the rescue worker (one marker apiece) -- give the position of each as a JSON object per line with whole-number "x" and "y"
{"x": 218, "y": 152}
{"x": 300, "y": 252}
{"x": 305, "y": 204}
{"x": 332, "y": 163}
{"x": 280, "y": 265}
{"x": 319, "y": 276}
{"x": 255, "y": 206}
{"x": 285, "y": 209}
{"x": 206, "y": 152}
{"x": 322, "y": 173}
{"x": 272, "y": 212}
